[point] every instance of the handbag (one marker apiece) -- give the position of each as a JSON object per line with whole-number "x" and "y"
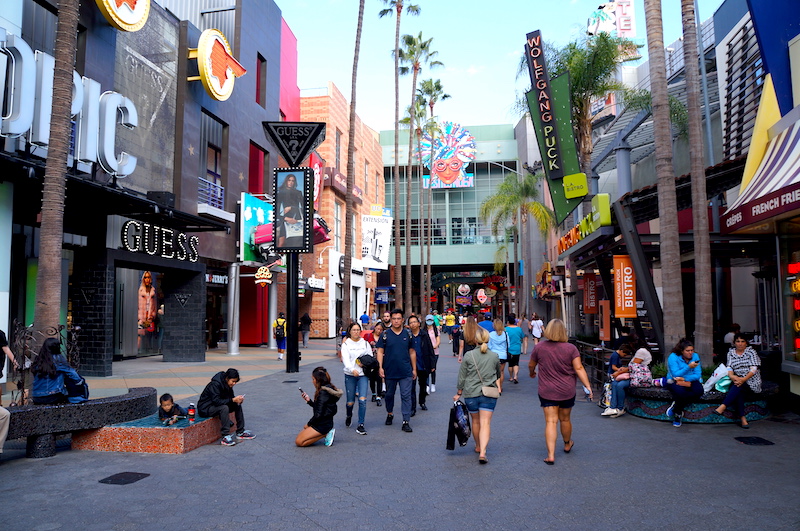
{"x": 623, "y": 376}
{"x": 640, "y": 375}
{"x": 486, "y": 390}
{"x": 723, "y": 384}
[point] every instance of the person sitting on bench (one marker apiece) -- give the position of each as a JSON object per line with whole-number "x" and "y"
{"x": 54, "y": 381}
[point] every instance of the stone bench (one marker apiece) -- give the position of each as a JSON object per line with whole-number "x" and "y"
{"x": 41, "y": 423}
{"x": 652, "y": 403}
{"x": 149, "y": 435}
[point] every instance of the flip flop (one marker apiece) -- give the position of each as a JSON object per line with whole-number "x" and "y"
{"x": 549, "y": 462}
{"x": 483, "y": 460}
{"x": 571, "y": 446}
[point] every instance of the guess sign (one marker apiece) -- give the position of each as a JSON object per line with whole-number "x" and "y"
{"x": 140, "y": 237}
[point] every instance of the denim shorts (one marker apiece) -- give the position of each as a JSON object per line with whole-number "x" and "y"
{"x": 563, "y": 404}
{"x": 480, "y": 403}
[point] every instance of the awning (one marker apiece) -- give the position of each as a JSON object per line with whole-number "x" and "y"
{"x": 773, "y": 192}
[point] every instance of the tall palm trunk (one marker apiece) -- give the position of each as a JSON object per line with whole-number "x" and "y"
{"x": 424, "y": 303}
{"x": 398, "y": 264}
{"x": 412, "y": 115}
{"x": 47, "y": 312}
{"x": 347, "y": 314}
{"x": 429, "y": 233}
{"x": 703, "y": 328}
{"x": 674, "y": 324}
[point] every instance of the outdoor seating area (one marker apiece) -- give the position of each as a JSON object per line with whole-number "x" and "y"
{"x": 149, "y": 435}
{"x": 652, "y": 403}
{"x": 41, "y": 423}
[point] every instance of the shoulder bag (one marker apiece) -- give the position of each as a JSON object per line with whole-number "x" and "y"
{"x": 486, "y": 390}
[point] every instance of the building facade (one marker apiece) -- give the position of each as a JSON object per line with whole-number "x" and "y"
{"x": 149, "y": 236}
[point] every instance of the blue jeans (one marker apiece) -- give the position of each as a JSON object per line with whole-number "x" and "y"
{"x": 618, "y": 393}
{"x": 351, "y": 385}
{"x": 405, "y": 395}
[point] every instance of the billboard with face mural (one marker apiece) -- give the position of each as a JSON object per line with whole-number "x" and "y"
{"x": 446, "y": 153}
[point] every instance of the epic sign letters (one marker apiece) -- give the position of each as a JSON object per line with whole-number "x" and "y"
{"x": 30, "y": 101}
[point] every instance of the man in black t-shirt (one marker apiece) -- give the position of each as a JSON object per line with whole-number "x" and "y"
{"x": 398, "y": 362}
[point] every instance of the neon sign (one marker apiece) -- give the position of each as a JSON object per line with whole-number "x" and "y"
{"x": 139, "y": 237}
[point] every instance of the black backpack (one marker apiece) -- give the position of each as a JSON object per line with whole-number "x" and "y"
{"x": 369, "y": 364}
{"x": 280, "y": 330}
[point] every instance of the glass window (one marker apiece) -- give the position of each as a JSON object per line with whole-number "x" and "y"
{"x": 338, "y": 149}
{"x": 337, "y": 226}
{"x": 261, "y": 80}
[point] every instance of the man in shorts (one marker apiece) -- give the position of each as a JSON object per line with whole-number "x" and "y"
{"x": 279, "y": 333}
{"x": 517, "y": 344}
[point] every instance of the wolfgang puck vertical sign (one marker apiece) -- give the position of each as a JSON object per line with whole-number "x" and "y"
{"x": 624, "y": 287}
{"x": 544, "y": 109}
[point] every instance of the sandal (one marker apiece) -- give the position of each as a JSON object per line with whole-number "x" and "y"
{"x": 483, "y": 460}
{"x": 548, "y": 462}
{"x": 571, "y": 446}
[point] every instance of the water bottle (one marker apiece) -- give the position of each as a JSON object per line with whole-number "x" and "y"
{"x": 191, "y": 412}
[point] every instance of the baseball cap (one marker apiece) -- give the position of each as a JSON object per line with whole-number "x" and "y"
{"x": 429, "y": 319}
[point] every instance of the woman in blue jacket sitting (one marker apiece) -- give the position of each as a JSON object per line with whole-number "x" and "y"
{"x": 683, "y": 379}
{"x": 54, "y": 381}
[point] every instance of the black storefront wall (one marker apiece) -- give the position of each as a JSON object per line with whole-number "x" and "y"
{"x": 92, "y": 293}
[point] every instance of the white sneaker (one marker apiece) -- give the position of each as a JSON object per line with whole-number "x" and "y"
{"x": 619, "y": 413}
{"x": 428, "y": 389}
{"x": 609, "y": 412}
{"x": 433, "y": 388}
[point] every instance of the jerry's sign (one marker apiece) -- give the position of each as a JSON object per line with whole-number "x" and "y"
{"x": 600, "y": 216}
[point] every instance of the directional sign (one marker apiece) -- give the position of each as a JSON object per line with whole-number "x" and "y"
{"x": 295, "y": 140}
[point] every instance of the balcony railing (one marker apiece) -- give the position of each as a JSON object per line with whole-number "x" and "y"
{"x": 210, "y": 193}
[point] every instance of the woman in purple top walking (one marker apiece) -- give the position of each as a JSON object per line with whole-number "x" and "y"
{"x": 559, "y": 364}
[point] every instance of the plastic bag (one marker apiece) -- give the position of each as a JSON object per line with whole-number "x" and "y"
{"x": 718, "y": 373}
{"x": 605, "y": 398}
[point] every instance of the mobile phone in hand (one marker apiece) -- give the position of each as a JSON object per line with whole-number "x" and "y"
{"x": 300, "y": 389}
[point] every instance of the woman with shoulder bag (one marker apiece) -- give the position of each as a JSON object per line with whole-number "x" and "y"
{"x": 353, "y": 347}
{"x": 480, "y": 385}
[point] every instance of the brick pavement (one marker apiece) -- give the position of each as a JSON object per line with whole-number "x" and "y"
{"x": 624, "y": 473}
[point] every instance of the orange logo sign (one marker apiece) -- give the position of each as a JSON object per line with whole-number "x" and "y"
{"x": 125, "y": 15}
{"x": 218, "y": 68}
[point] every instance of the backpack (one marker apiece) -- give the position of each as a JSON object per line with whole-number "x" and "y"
{"x": 280, "y": 330}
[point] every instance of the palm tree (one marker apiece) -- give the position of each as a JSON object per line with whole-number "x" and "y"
{"x": 415, "y": 53}
{"x": 591, "y": 63}
{"x": 667, "y": 200}
{"x": 419, "y": 112}
{"x": 432, "y": 92}
{"x": 703, "y": 329}
{"x": 517, "y": 198}
{"x": 351, "y": 170}
{"x": 47, "y": 312}
{"x": 396, "y": 6}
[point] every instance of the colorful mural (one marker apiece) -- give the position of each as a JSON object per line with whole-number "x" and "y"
{"x": 446, "y": 156}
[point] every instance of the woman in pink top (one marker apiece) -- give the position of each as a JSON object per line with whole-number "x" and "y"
{"x": 559, "y": 364}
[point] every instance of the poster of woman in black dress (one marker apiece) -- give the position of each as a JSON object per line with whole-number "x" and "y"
{"x": 293, "y": 210}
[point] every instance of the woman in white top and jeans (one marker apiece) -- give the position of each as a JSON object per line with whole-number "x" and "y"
{"x": 353, "y": 347}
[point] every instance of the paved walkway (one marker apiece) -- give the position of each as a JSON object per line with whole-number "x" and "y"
{"x": 624, "y": 473}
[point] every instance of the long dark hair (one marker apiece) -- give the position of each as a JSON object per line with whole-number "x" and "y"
{"x": 45, "y": 363}
{"x": 322, "y": 378}
{"x": 682, "y": 344}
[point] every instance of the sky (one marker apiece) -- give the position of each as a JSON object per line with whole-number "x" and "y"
{"x": 479, "y": 42}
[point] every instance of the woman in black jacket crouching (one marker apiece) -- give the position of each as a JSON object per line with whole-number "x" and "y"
{"x": 321, "y": 424}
